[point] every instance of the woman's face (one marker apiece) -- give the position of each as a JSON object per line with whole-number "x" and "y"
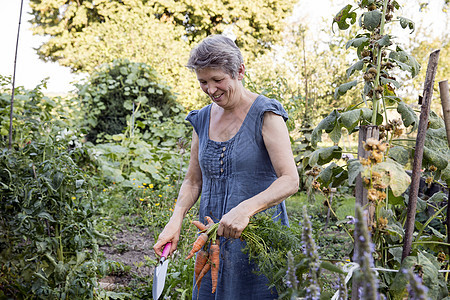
{"x": 219, "y": 86}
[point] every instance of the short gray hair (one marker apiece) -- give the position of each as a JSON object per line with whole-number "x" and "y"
{"x": 218, "y": 52}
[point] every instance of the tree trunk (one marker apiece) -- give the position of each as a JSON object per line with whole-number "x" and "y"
{"x": 365, "y": 133}
{"x": 418, "y": 152}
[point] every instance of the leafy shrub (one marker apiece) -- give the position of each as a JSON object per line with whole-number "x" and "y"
{"x": 48, "y": 238}
{"x": 48, "y": 243}
{"x": 112, "y": 94}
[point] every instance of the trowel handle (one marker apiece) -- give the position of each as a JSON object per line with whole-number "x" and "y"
{"x": 166, "y": 250}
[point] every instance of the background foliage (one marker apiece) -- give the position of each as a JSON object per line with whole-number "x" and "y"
{"x": 64, "y": 195}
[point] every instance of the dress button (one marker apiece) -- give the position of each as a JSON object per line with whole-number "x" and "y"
{"x": 221, "y": 170}
{"x": 221, "y": 162}
{"x": 224, "y": 148}
{"x": 221, "y": 155}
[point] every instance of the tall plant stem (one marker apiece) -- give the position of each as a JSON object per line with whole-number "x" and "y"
{"x": 377, "y": 79}
{"x": 14, "y": 79}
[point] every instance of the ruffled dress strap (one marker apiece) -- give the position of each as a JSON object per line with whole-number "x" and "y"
{"x": 199, "y": 119}
{"x": 269, "y": 104}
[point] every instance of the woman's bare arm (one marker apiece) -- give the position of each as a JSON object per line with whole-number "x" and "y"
{"x": 189, "y": 193}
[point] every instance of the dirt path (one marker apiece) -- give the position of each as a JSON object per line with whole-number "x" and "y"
{"x": 129, "y": 247}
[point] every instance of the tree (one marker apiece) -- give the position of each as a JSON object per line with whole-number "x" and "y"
{"x": 87, "y": 33}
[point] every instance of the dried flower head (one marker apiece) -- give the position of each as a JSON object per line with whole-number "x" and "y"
{"x": 376, "y": 157}
{"x": 382, "y": 223}
{"x": 371, "y": 144}
{"x": 316, "y": 185}
{"x": 364, "y": 162}
{"x": 432, "y": 168}
{"x": 372, "y": 195}
{"x": 398, "y": 132}
{"x": 441, "y": 257}
{"x": 396, "y": 122}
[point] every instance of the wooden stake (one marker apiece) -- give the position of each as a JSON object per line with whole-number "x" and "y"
{"x": 365, "y": 132}
{"x": 445, "y": 101}
{"x": 418, "y": 152}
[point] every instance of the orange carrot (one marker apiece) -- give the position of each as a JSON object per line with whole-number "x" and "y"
{"x": 209, "y": 220}
{"x": 214, "y": 254}
{"x": 203, "y": 273}
{"x": 199, "y": 225}
{"x": 200, "y": 262}
{"x": 198, "y": 244}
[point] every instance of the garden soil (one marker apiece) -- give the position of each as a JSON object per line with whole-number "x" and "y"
{"x": 129, "y": 247}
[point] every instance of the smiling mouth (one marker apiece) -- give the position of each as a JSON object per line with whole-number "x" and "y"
{"x": 216, "y": 97}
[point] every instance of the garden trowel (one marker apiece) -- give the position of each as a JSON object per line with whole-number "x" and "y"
{"x": 159, "y": 276}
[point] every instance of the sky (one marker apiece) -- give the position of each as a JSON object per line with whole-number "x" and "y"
{"x": 30, "y": 70}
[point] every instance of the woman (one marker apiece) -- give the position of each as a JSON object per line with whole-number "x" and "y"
{"x": 241, "y": 164}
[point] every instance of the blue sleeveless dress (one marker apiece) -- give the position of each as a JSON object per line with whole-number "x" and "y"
{"x": 233, "y": 171}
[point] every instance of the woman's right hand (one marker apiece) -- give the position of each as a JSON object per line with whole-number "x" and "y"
{"x": 170, "y": 233}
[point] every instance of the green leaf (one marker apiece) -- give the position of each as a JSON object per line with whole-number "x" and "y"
{"x": 331, "y": 267}
{"x": 326, "y": 124}
{"x": 372, "y": 19}
{"x": 435, "y": 158}
{"x": 430, "y": 272}
{"x": 408, "y": 115}
{"x": 57, "y": 180}
{"x": 326, "y": 174}
{"x": 343, "y": 15}
{"x": 393, "y": 174}
{"x": 336, "y": 133}
{"x": 435, "y": 121}
{"x": 128, "y": 104}
{"x": 438, "y": 197}
{"x": 354, "y": 169}
{"x": 343, "y": 88}
{"x": 399, "y": 154}
{"x": 358, "y": 41}
{"x": 405, "y": 61}
{"x": 436, "y": 150}
{"x": 350, "y": 119}
{"x": 393, "y": 200}
{"x": 385, "y": 41}
{"x": 79, "y": 183}
{"x": 142, "y": 99}
{"x": 404, "y": 22}
{"x": 324, "y": 155}
{"x": 46, "y": 215}
{"x": 358, "y": 66}
{"x": 148, "y": 168}
{"x": 397, "y": 289}
{"x": 385, "y": 81}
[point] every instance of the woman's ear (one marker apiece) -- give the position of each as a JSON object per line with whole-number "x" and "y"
{"x": 241, "y": 72}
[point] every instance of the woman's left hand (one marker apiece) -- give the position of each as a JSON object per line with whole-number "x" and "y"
{"x": 233, "y": 223}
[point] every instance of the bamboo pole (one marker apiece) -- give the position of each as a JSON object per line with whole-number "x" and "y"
{"x": 11, "y": 109}
{"x": 418, "y": 152}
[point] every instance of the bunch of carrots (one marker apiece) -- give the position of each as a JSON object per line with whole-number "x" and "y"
{"x": 267, "y": 245}
{"x": 208, "y": 248}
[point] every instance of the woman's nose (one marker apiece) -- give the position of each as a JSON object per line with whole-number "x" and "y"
{"x": 211, "y": 89}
